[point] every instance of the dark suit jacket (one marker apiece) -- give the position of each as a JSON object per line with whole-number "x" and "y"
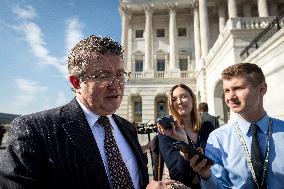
{"x": 56, "y": 149}
{"x": 206, "y": 117}
{"x": 179, "y": 168}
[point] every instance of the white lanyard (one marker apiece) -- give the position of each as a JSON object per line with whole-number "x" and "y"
{"x": 247, "y": 154}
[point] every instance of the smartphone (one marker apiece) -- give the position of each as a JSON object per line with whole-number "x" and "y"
{"x": 191, "y": 151}
{"x": 166, "y": 122}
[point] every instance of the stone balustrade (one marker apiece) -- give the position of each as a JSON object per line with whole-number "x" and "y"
{"x": 159, "y": 74}
{"x": 162, "y": 74}
{"x": 138, "y": 75}
{"x": 250, "y": 22}
{"x": 238, "y": 23}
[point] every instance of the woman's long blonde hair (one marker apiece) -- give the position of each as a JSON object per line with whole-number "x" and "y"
{"x": 196, "y": 126}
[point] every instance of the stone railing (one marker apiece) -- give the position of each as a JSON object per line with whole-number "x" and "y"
{"x": 273, "y": 27}
{"x": 250, "y": 22}
{"x": 159, "y": 74}
{"x": 184, "y": 73}
{"x": 138, "y": 75}
{"x": 138, "y": 114}
{"x": 235, "y": 24}
{"x": 162, "y": 74}
{"x": 189, "y": 74}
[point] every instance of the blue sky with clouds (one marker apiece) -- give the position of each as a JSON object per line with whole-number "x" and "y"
{"x": 35, "y": 37}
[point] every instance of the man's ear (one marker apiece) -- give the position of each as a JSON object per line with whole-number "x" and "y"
{"x": 263, "y": 88}
{"x": 74, "y": 81}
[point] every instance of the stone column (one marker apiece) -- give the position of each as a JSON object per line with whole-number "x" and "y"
{"x": 148, "y": 104}
{"x": 148, "y": 38}
{"x": 124, "y": 35}
{"x": 196, "y": 31}
{"x": 172, "y": 37}
{"x": 130, "y": 59}
{"x": 262, "y": 8}
{"x": 222, "y": 16}
{"x": 232, "y": 9}
{"x": 204, "y": 28}
{"x": 155, "y": 60}
{"x": 189, "y": 62}
{"x": 166, "y": 60}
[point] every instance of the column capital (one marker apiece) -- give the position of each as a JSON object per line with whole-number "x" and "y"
{"x": 172, "y": 6}
{"x": 148, "y": 8}
{"x": 125, "y": 11}
{"x": 194, "y": 4}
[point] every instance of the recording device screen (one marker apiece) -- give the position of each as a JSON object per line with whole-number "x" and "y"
{"x": 191, "y": 151}
{"x": 166, "y": 122}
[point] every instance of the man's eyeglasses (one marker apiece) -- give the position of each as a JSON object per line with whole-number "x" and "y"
{"x": 106, "y": 79}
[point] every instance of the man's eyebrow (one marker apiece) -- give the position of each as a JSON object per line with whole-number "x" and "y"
{"x": 106, "y": 71}
{"x": 100, "y": 72}
{"x": 121, "y": 70}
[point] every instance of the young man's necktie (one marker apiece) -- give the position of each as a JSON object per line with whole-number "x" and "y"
{"x": 256, "y": 157}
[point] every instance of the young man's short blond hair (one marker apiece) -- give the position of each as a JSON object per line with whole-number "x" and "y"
{"x": 251, "y": 71}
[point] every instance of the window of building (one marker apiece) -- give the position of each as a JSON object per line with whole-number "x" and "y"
{"x": 183, "y": 65}
{"x": 138, "y": 107}
{"x": 160, "y": 33}
{"x": 182, "y": 32}
{"x": 138, "y": 65}
{"x": 161, "y": 108}
{"x": 139, "y": 33}
{"x": 161, "y": 65}
{"x": 137, "y": 111}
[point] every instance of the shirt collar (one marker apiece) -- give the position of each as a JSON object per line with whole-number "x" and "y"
{"x": 262, "y": 123}
{"x": 91, "y": 117}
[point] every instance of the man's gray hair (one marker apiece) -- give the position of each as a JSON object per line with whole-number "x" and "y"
{"x": 83, "y": 52}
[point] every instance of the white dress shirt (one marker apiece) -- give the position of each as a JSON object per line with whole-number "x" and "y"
{"x": 124, "y": 148}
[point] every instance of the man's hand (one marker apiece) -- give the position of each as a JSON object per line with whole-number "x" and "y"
{"x": 200, "y": 167}
{"x": 166, "y": 184}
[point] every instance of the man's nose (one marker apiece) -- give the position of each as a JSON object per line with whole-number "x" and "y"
{"x": 231, "y": 95}
{"x": 114, "y": 82}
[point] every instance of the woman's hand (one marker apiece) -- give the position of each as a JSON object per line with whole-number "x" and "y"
{"x": 177, "y": 132}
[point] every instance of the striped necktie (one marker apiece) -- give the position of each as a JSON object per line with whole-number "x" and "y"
{"x": 256, "y": 157}
{"x": 120, "y": 177}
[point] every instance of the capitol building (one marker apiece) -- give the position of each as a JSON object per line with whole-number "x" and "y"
{"x": 168, "y": 42}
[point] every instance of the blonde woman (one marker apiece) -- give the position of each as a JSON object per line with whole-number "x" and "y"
{"x": 187, "y": 127}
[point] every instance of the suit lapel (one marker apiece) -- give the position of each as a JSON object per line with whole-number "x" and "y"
{"x": 80, "y": 134}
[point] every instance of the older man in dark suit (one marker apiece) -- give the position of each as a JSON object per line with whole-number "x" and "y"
{"x": 82, "y": 144}
{"x": 206, "y": 117}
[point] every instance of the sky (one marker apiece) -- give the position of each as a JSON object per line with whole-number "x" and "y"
{"x": 35, "y": 38}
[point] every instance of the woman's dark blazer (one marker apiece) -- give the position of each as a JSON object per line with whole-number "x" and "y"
{"x": 179, "y": 168}
{"x": 56, "y": 149}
